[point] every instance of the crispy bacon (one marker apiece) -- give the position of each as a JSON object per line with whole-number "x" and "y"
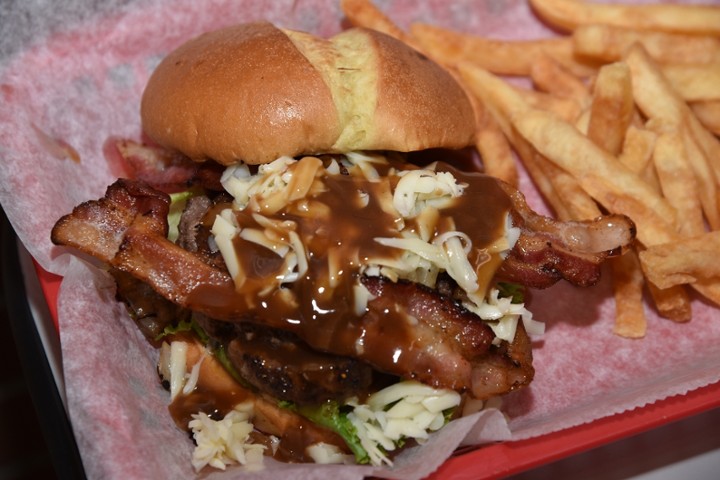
{"x": 98, "y": 228}
{"x": 549, "y": 250}
{"x": 158, "y": 167}
{"x": 449, "y": 347}
{"x": 443, "y": 345}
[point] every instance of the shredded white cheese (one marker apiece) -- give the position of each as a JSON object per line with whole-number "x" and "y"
{"x": 172, "y": 366}
{"x": 227, "y": 441}
{"x": 325, "y": 453}
{"x": 364, "y": 164}
{"x": 218, "y": 442}
{"x": 224, "y": 229}
{"x": 512, "y": 234}
{"x": 271, "y": 177}
{"x": 418, "y": 189}
{"x": 418, "y": 194}
{"x": 405, "y": 410}
{"x": 502, "y": 315}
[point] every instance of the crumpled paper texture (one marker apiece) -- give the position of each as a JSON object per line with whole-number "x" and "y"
{"x": 76, "y": 74}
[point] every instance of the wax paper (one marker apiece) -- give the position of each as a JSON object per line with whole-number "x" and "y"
{"x": 71, "y": 76}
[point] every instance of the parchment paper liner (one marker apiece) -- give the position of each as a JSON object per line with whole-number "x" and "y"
{"x": 83, "y": 85}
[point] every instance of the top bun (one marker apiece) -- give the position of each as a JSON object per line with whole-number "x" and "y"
{"x": 254, "y": 92}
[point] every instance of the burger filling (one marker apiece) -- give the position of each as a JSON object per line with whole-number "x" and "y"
{"x": 312, "y": 242}
{"x": 329, "y": 307}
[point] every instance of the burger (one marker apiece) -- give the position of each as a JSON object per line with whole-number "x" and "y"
{"x": 317, "y": 289}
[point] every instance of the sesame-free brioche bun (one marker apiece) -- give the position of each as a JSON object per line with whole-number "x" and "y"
{"x": 254, "y": 92}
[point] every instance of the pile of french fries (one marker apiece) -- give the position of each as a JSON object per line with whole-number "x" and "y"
{"x": 623, "y": 116}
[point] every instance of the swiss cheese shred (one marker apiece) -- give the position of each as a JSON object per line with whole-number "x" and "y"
{"x": 227, "y": 441}
{"x": 426, "y": 234}
{"x": 405, "y": 410}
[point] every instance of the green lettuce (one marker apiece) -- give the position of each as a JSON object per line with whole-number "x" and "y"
{"x": 333, "y": 416}
{"x": 512, "y": 290}
{"x": 177, "y": 205}
{"x": 218, "y": 350}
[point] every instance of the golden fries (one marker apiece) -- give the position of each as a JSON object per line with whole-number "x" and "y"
{"x": 566, "y": 108}
{"x": 683, "y": 262}
{"x": 363, "y": 13}
{"x": 612, "y": 107}
{"x": 637, "y": 150}
{"x": 570, "y": 14}
{"x": 607, "y": 43}
{"x": 624, "y": 116}
{"x": 498, "y": 56}
{"x": 708, "y": 113}
{"x": 600, "y": 174}
{"x": 677, "y": 181}
{"x": 630, "y": 320}
{"x": 672, "y": 303}
{"x": 694, "y": 82}
{"x": 662, "y": 105}
{"x": 549, "y": 76}
{"x": 495, "y": 150}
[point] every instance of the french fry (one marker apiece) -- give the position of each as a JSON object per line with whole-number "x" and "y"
{"x": 566, "y": 108}
{"x": 637, "y": 152}
{"x": 639, "y": 140}
{"x": 684, "y": 261}
{"x": 672, "y": 303}
{"x": 610, "y": 117}
{"x": 363, "y": 13}
{"x": 542, "y": 180}
{"x": 637, "y": 149}
{"x": 608, "y": 43}
{"x": 576, "y": 203}
{"x": 630, "y": 320}
{"x": 499, "y": 56}
{"x": 651, "y": 90}
{"x": 570, "y": 14}
{"x": 708, "y": 113}
{"x": 501, "y": 98}
{"x": 677, "y": 181}
{"x": 549, "y": 76}
{"x": 612, "y": 107}
{"x": 494, "y": 148}
{"x": 694, "y": 82}
{"x": 600, "y": 174}
{"x": 709, "y": 289}
{"x": 472, "y": 75}
{"x": 657, "y": 99}
{"x": 560, "y": 190}
{"x": 695, "y": 266}
{"x": 707, "y": 183}
{"x": 467, "y": 73}
{"x": 582, "y": 122}
{"x": 708, "y": 143}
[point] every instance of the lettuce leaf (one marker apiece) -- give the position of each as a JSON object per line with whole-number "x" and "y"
{"x": 178, "y": 201}
{"x": 218, "y": 350}
{"x": 512, "y": 290}
{"x": 333, "y": 417}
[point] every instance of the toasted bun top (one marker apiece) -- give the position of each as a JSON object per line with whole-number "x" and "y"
{"x": 254, "y": 93}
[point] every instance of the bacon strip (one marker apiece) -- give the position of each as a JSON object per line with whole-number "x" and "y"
{"x": 444, "y": 345}
{"x": 549, "y": 250}
{"x": 449, "y": 347}
{"x": 158, "y": 167}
